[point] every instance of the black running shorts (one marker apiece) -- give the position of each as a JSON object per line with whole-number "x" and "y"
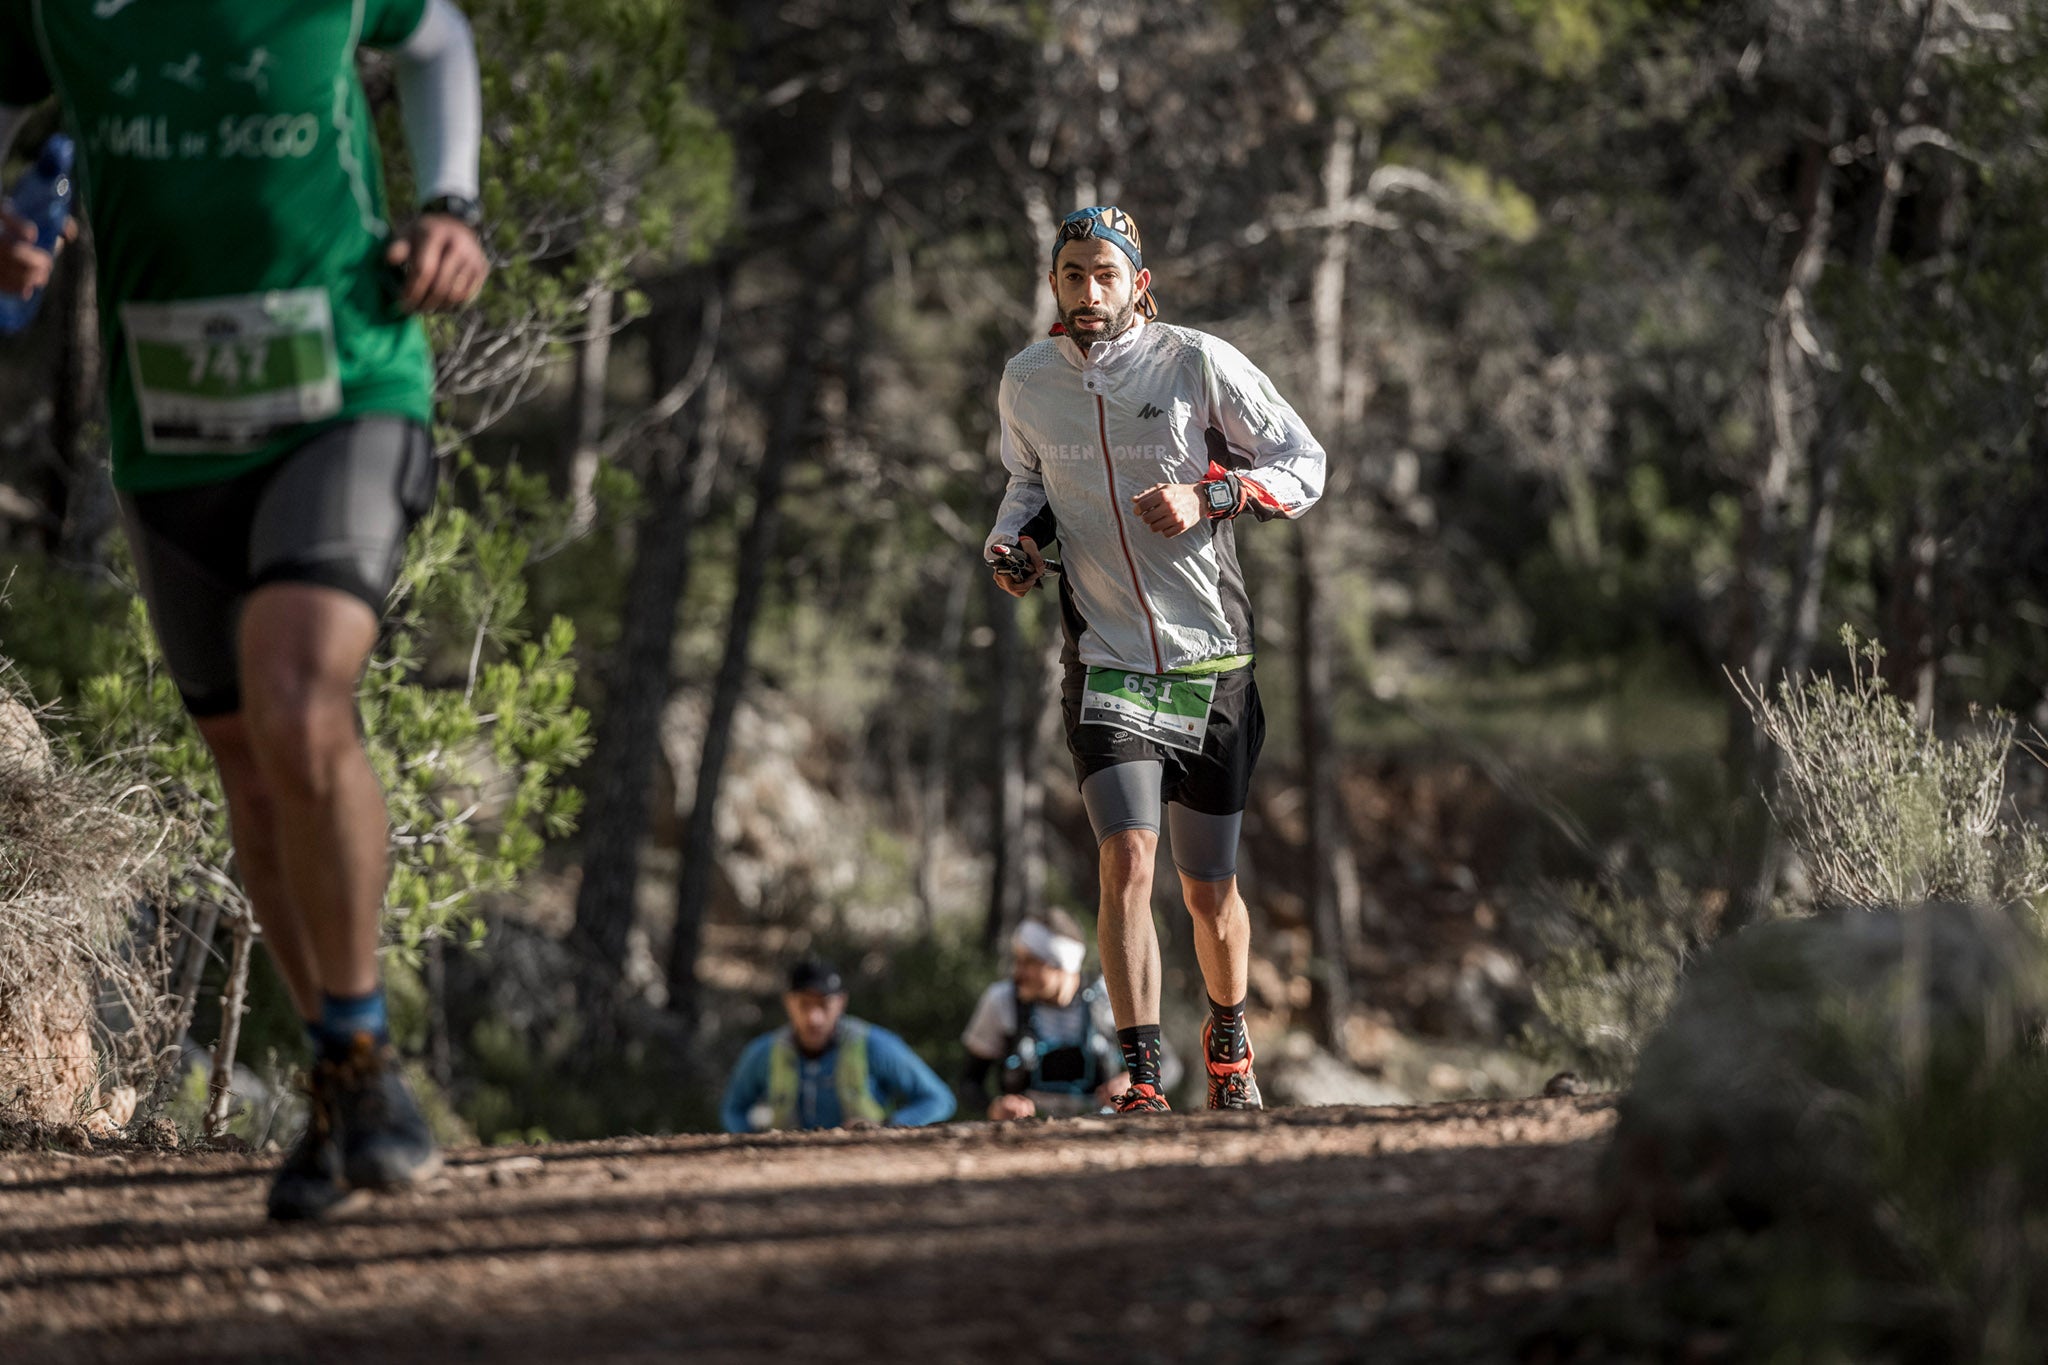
{"x": 1215, "y": 781}
{"x": 335, "y": 512}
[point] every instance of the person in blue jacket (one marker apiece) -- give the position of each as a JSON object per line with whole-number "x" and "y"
{"x": 826, "y": 1069}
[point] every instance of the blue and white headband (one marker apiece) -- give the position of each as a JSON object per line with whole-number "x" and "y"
{"x": 1114, "y": 226}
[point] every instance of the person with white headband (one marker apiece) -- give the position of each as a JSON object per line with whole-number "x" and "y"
{"x": 1049, "y": 1040}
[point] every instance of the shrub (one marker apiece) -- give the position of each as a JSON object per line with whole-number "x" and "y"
{"x": 1610, "y": 972}
{"x": 1884, "y": 811}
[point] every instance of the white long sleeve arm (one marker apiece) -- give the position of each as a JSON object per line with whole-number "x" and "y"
{"x": 1024, "y": 496}
{"x": 440, "y": 101}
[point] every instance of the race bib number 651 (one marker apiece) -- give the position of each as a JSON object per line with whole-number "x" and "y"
{"x": 1168, "y": 710}
{"x": 222, "y": 376}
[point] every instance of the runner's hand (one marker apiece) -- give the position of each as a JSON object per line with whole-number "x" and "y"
{"x": 1111, "y": 1088}
{"x": 1170, "y": 508}
{"x": 1004, "y": 1107}
{"x": 25, "y": 266}
{"x": 1017, "y": 587}
{"x": 444, "y": 264}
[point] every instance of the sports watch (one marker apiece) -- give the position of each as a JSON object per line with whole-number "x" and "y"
{"x": 1219, "y": 497}
{"x": 461, "y": 208}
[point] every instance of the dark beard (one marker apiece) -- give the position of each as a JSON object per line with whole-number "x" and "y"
{"x": 1119, "y": 323}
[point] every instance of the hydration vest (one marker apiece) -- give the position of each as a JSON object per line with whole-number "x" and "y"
{"x": 1070, "y": 1069}
{"x": 849, "y": 1077}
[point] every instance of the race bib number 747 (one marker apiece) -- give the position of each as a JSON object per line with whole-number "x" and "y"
{"x": 1168, "y": 710}
{"x": 220, "y": 376}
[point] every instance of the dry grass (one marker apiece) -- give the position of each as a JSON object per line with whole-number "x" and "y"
{"x": 84, "y": 1004}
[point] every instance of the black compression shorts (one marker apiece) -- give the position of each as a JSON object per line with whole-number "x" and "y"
{"x": 335, "y": 512}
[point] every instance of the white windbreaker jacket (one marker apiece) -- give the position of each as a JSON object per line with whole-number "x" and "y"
{"x": 1086, "y": 432}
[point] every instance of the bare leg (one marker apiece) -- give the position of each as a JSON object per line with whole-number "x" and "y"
{"x": 1124, "y": 930}
{"x": 302, "y": 650}
{"x": 1223, "y": 936}
{"x": 252, "y": 820}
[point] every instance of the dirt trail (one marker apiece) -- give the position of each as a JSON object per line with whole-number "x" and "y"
{"x": 1306, "y": 1234}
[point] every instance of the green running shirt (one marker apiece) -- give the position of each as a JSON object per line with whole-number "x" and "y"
{"x": 227, "y": 155}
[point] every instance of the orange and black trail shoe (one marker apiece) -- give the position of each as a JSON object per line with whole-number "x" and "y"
{"x": 1231, "y": 1083}
{"x": 1142, "y": 1098}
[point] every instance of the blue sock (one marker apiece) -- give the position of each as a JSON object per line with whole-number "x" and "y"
{"x": 342, "y": 1017}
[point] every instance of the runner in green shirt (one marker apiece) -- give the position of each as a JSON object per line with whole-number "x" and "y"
{"x": 269, "y": 388}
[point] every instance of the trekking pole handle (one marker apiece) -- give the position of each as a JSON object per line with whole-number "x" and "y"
{"x": 1011, "y": 562}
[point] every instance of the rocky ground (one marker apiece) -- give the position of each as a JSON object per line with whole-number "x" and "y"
{"x": 1435, "y": 1233}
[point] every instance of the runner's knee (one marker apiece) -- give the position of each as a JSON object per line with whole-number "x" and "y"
{"x": 300, "y": 738}
{"x": 241, "y": 776}
{"x": 1127, "y": 854}
{"x": 1208, "y": 902}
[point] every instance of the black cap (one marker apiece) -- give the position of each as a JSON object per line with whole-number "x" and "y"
{"x": 816, "y": 974}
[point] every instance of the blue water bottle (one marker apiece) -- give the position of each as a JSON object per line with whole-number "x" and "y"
{"x": 43, "y": 196}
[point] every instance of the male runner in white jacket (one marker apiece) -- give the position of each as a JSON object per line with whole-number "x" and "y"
{"x": 1137, "y": 444}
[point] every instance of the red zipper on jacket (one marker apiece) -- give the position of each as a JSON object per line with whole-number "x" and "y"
{"x": 1117, "y": 510}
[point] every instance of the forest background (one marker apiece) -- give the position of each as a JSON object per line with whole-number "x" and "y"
{"x": 1652, "y": 343}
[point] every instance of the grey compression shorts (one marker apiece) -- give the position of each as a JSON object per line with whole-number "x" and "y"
{"x": 334, "y": 512}
{"x": 1127, "y": 796}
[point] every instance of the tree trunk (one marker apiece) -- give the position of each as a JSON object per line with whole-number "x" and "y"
{"x": 1313, "y": 669}
{"x": 440, "y": 1045}
{"x": 192, "y": 956}
{"x": 1045, "y": 747}
{"x": 639, "y": 683}
{"x": 233, "y": 1005}
{"x": 75, "y": 429}
{"x": 788, "y": 438}
{"x": 932, "y": 802}
{"x": 1764, "y": 615}
{"x": 586, "y": 414}
{"x": 1912, "y": 653}
{"x": 1009, "y": 725}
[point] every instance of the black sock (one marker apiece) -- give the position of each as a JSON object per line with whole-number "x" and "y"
{"x": 1141, "y": 1053}
{"x": 1227, "y": 1040}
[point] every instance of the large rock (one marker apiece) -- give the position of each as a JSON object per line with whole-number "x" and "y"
{"x": 787, "y": 842}
{"x": 1749, "y": 1102}
{"x": 24, "y": 749}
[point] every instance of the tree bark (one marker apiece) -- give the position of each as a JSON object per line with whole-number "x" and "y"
{"x": 932, "y": 802}
{"x": 192, "y": 955}
{"x": 75, "y": 429}
{"x": 1313, "y": 668}
{"x": 1764, "y": 621}
{"x": 1006, "y": 702}
{"x": 586, "y": 414}
{"x": 233, "y": 1005}
{"x": 640, "y": 680}
{"x": 788, "y": 438}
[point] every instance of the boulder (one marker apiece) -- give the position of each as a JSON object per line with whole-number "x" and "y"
{"x": 1749, "y": 1103}
{"x": 23, "y": 746}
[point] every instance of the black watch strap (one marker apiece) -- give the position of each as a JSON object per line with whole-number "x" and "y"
{"x": 461, "y": 208}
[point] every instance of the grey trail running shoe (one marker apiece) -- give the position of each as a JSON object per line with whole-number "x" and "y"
{"x": 384, "y": 1138}
{"x": 310, "y": 1182}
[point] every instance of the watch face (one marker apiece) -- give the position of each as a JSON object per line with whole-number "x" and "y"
{"x": 1219, "y": 496}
